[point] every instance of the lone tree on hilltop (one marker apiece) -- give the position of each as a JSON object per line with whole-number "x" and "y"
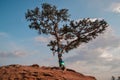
{"x": 68, "y": 34}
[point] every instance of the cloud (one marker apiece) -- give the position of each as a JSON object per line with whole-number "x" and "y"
{"x": 99, "y": 57}
{"x": 3, "y": 34}
{"x": 20, "y": 53}
{"x": 11, "y": 48}
{"x": 13, "y": 54}
{"x": 43, "y": 39}
{"x": 115, "y": 7}
{"x": 91, "y": 19}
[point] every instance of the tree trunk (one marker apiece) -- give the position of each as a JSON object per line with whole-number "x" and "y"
{"x": 61, "y": 62}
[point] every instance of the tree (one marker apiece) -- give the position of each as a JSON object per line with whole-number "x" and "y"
{"x": 68, "y": 34}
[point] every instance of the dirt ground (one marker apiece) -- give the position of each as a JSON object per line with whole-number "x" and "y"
{"x": 36, "y": 72}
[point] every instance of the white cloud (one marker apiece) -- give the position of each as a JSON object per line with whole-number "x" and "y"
{"x": 20, "y": 53}
{"x": 4, "y": 54}
{"x": 115, "y": 7}
{"x": 3, "y": 34}
{"x": 91, "y": 19}
{"x": 11, "y": 48}
{"x": 99, "y": 57}
{"x": 43, "y": 39}
{"x": 107, "y": 56}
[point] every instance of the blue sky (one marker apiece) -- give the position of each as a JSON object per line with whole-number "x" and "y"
{"x": 20, "y": 45}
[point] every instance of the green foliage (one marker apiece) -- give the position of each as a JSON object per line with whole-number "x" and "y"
{"x": 69, "y": 34}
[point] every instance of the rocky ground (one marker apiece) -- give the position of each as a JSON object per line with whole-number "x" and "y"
{"x": 35, "y": 72}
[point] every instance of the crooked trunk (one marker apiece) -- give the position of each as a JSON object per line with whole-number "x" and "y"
{"x": 61, "y": 62}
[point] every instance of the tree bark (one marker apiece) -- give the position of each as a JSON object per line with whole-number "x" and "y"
{"x": 60, "y": 61}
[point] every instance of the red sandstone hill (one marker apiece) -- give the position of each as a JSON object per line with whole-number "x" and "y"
{"x": 35, "y": 72}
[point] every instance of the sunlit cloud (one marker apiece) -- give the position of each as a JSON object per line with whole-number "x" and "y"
{"x": 107, "y": 56}
{"x": 115, "y": 7}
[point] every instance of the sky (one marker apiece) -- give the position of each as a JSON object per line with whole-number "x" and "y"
{"x": 21, "y": 45}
